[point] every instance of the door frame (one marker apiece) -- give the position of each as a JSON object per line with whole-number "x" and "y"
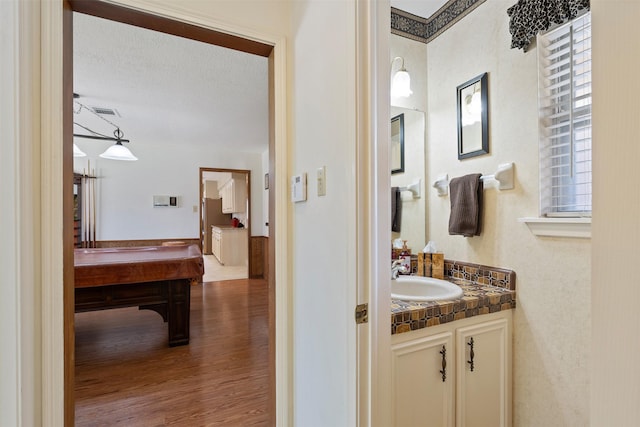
{"x": 373, "y": 23}
{"x": 57, "y": 253}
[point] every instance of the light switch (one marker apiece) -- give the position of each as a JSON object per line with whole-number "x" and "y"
{"x": 321, "y": 181}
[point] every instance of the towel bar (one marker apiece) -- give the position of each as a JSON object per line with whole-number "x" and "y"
{"x": 504, "y": 177}
{"x": 414, "y": 188}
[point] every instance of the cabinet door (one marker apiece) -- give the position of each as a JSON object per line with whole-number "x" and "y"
{"x": 234, "y": 196}
{"x": 227, "y": 197}
{"x": 215, "y": 243}
{"x": 483, "y": 391}
{"x": 423, "y": 374}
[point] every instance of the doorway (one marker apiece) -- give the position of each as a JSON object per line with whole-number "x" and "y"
{"x": 225, "y": 224}
{"x": 168, "y": 26}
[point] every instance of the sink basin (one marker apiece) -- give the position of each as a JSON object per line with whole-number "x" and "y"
{"x": 418, "y": 288}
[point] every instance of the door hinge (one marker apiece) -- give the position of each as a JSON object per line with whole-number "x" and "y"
{"x": 362, "y": 314}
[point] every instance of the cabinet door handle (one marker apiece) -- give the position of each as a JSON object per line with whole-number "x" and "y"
{"x": 471, "y": 354}
{"x": 443, "y": 352}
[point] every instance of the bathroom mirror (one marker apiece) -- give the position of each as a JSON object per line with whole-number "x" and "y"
{"x": 413, "y": 224}
{"x": 473, "y": 117}
{"x": 397, "y": 144}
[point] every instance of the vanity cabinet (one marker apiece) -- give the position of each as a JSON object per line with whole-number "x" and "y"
{"x": 455, "y": 374}
{"x": 230, "y": 245}
{"x": 234, "y": 194}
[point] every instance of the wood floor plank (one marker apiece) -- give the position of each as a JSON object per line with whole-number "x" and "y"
{"x": 126, "y": 375}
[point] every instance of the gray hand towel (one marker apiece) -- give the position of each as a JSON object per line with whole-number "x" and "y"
{"x": 466, "y": 205}
{"x": 396, "y": 209}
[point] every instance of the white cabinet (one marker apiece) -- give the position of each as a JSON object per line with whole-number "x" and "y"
{"x": 433, "y": 380}
{"x": 215, "y": 241}
{"x": 483, "y": 386}
{"x": 230, "y": 245}
{"x": 234, "y": 194}
{"x": 422, "y": 386}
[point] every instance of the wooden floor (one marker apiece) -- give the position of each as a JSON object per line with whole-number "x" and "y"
{"x": 126, "y": 375}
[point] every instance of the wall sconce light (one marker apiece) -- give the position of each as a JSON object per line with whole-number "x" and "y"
{"x": 116, "y": 151}
{"x": 472, "y": 106}
{"x": 401, "y": 81}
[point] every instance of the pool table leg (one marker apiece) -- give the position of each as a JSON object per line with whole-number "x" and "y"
{"x": 178, "y": 315}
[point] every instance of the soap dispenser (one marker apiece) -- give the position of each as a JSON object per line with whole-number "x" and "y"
{"x": 405, "y": 258}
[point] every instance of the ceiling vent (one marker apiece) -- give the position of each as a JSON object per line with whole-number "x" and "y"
{"x": 106, "y": 111}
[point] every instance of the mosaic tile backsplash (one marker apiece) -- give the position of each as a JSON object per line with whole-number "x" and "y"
{"x": 486, "y": 290}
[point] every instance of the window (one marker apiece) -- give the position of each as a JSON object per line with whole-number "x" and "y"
{"x": 565, "y": 119}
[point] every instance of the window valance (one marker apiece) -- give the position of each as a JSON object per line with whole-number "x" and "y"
{"x": 529, "y": 17}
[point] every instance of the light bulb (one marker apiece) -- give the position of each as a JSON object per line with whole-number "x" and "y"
{"x": 401, "y": 84}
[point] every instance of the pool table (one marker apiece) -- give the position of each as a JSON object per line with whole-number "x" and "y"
{"x": 155, "y": 278}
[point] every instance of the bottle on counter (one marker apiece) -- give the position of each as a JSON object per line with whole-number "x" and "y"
{"x": 405, "y": 258}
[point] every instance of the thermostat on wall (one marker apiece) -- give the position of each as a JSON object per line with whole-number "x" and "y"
{"x": 165, "y": 201}
{"x": 299, "y": 188}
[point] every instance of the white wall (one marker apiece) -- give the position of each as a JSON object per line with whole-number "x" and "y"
{"x": 615, "y": 390}
{"x": 552, "y": 319}
{"x": 125, "y": 189}
{"x": 323, "y": 229}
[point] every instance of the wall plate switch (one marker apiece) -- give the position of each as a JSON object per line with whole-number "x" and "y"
{"x": 299, "y": 188}
{"x": 321, "y": 181}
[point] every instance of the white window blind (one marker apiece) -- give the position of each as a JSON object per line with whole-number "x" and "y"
{"x": 565, "y": 119}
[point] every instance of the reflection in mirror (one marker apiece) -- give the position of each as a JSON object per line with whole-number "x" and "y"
{"x": 413, "y": 222}
{"x": 397, "y": 144}
{"x": 473, "y": 118}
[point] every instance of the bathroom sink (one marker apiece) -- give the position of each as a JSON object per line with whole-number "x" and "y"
{"x": 418, "y": 288}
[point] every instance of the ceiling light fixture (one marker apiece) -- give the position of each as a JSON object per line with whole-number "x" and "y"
{"x": 116, "y": 151}
{"x": 401, "y": 81}
{"x": 77, "y": 152}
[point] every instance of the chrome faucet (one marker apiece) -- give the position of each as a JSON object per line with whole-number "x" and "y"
{"x": 396, "y": 268}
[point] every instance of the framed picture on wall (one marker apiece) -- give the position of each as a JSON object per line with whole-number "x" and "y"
{"x": 397, "y": 144}
{"x": 473, "y": 117}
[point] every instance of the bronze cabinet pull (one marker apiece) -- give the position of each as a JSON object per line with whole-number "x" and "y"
{"x": 443, "y": 352}
{"x": 471, "y": 354}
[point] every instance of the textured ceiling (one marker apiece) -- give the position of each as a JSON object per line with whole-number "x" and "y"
{"x": 171, "y": 90}
{"x": 167, "y": 89}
